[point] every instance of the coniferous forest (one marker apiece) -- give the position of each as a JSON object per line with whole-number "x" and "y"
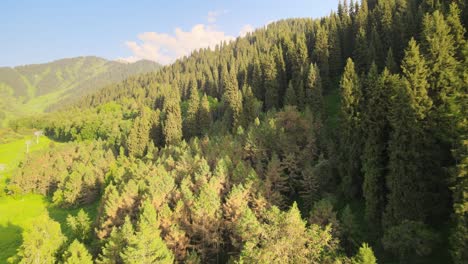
{"x": 342, "y": 139}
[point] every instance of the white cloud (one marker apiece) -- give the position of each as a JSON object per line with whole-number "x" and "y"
{"x": 246, "y": 29}
{"x": 166, "y": 48}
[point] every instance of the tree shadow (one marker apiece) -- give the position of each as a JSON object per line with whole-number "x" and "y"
{"x": 10, "y": 240}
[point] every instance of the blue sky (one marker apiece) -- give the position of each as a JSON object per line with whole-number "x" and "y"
{"x": 35, "y": 31}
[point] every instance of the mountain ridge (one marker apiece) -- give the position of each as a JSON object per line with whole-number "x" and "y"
{"x": 32, "y": 88}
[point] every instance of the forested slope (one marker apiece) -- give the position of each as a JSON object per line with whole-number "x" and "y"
{"x": 236, "y": 154}
{"x": 31, "y": 89}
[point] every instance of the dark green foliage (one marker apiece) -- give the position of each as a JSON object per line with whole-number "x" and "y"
{"x": 191, "y": 118}
{"x": 376, "y": 127}
{"x": 172, "y": 128}
{"x": 350, "y": 137}
{"x": 313, "y": 90}
{"x": 290, "y": 98}
{"x": 139, "y": 134}
{"x": 204, "y": 116}
{"x": 409, "y": 239}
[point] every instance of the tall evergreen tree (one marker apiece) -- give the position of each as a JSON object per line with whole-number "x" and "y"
{"x": 290, "y": 98}
{"x": 416, "y": 74}
{"x": 270, "y": 81}
{"x": 350, "y": 138}
{"x": 321, "y": 54}
{"x": 204, "y": 117}
{"x": 233, "y": 99}
{"x": 374, "y": 159}
{"x": 77, "y": 254}
{"x": 146, "y": 245}
{"x": 139, "y": 135}
{"x": 407, "y": 178}
{"x": 172, "y": 128}
{"x": 191, "y": 122}
{"x": 313, "y": 91}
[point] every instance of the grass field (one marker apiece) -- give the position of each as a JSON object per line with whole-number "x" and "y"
{"x": 12, "y": 153}
{"x": 16, "y": 213}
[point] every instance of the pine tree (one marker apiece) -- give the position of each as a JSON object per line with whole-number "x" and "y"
{"x": 313, "y": 94}
{"x": 365, "y": 255}
{"x": 335, "y": 60}
{"x": 444, "y": 78}
{"x": 204, "y": 118}
{"x": 277, "y": 53}
{"x": 251, "y": 106}
{"x": 390, "y": 63}
{"x": 361, "y": 51}
{"x": 415, "y": 72}
{"x": 139, "y": 135}
{"x": 321, "y": 54}
{"x": 350, "y": 138}
{"x": 233, "y": 99}
{"x": 77, "y": 254}
{"x": 459, "y": 233}
{"x": 146, "y": 245}
{"x": 80, "y": 225}
{"x": 407, "y": 177}
{"x": 457, "y": 29}
{"x": 290, "y": 97}
{"x": 172, "y": 128}
{"x": 191, "y": 122}
{"x": 374, "y": 159}
{"x": 270, "y": 81}
{"x": 275, "y": 182}
{"x": 112, "y": 248}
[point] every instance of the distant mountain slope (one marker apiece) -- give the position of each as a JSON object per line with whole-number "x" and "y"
{"x": 33, "y": 88}
{"x": 34, "y": 80}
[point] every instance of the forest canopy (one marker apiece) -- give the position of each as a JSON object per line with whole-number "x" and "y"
{"x": 334, "y": 140}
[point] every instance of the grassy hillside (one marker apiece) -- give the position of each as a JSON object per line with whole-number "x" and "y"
{"x": 31, "y": 89}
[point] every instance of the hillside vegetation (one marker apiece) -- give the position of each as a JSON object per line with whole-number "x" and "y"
{"x": 334, "y": 140}
{"x": 32, "y": 89}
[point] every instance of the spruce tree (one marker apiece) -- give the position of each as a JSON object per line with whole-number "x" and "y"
{"x": 313, "y": 91}
{"x": 233, "y": 99}
{"x": 374, "y": 158}
{"x": 290, "y": 97}
{"x": 321, "y": 54}
{"x": 146, "y": 245}
{"x": 270, "y": 81}
{"x": 362, "y": 54}
{"x": 365, "y": 255}
{"x": 172, "y": 128}
{"x": 204, "y": 117}
{"x": 77, "y": 254}
{"x": 139, "y": 135}
{"x": 191, "y": 122}
{"x": 251, "y": 106}
{"x": 350, "y": 138}
{"x": 407, "y": 177}
{"x": 416, "y": 74}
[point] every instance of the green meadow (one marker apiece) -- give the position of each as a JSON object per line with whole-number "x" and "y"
{"x": 17, "y": 213}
